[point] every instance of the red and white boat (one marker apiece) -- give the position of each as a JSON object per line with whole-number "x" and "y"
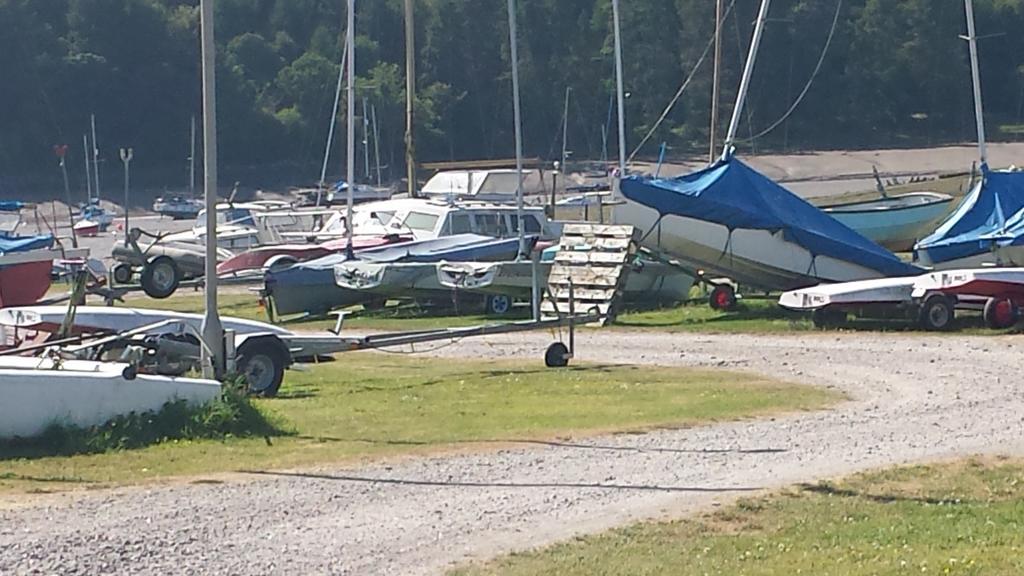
{"x": 26, "y": 266}
{"x": 280, "y": 255}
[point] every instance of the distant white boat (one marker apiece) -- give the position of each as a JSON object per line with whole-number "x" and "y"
{"x": 177, "y": 207}
{"x": 894, "y": 222}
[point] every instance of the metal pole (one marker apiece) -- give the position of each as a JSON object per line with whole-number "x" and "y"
{"x": 565, "y": 128}
{"x": 748, "y": 70}
{"x": 376, "y": 141}
{"x": 350, "y": 105}
{"x": 334, "y": 121}
{"x": 979, "y": 116}
{"x": 192, "y": 162}
{"x": 514, "y": 49}
{"x": 619, "y": 90}
{"x": 366, "y": 141}
{"x": 716, "y": 81}
{"x": 213, "y": 332}
{"x": 126, "y": 158}
{"x": 62, "y": 153}
{"x": 95, "y": 157}
{"x": 88, "y": 172}
{"x": 410, "y": 98}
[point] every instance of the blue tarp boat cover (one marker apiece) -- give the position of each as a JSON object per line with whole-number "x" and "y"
{"x": 11, "y": 205}
{"x": 10, "y": 243}
{"x": 991, "y": 215}
{"x": 735, "y": 195}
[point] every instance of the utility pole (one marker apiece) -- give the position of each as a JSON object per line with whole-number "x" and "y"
{"x": 126, "y": 158}
{"x": 716, "y": 81}
{"x": 213, "y": 331}
{"x": 410, "y": 98}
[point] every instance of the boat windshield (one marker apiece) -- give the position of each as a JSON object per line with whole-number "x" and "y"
{"x": 421, "y": 221}
{"x": 241, "y": 216}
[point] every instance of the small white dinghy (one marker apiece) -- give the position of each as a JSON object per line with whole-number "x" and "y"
{"x": 894, "y": 222}
{"x": 37, "y": 393}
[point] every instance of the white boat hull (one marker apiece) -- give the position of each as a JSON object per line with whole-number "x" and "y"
{"x": 83, "y": 394}
{"x": 897, "y": 222}
{"x": 756, "y": 258}
{"x": 880, "y": 291}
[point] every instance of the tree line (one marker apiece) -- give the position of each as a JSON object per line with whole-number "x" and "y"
{"x": 895, "y": 74}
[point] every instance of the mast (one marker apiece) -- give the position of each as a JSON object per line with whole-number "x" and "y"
{"x": 979, "y": 116}
{"x": 716, "y": 80}
{"x": 88, "y": 172}
{"x": 95, "y": 156}
{"x": 366, "y": 141}
{"x": 619, "y": 90}
{"x": 514, "y": 53}
{"x": 565, "y": 127}
{"x": 192, "y": 162}
{"x": 213, "y": 332}
{"x": 376, "y": 141}
{"x": 350, "y": 106}
{"x": 410, "y": 98}
{"x": 334, "y": 117}
{"x": 748, "y": 70}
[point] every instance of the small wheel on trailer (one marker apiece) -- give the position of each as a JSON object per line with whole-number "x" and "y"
{"x": 556, "y": 356}
{"x": 723, "y": 297}
{"x": 261, "y": 362}
{"x": 499, "y": 304}
{"x": 160, "y": 277}
{"x": 122, "y": 273}
{"x": 1001, "y": 313}
{"x": 936, "y": 313}
{"x": 827, "y": 318}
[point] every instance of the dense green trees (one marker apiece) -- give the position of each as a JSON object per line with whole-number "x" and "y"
{"x": 895, "y": 74}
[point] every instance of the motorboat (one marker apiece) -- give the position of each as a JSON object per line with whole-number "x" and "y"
{"x": 497, "y": 185}
{"x": 93, "y": 220}
{"x": 337, "y": 194}
{"x": 986, "y": 229}
{"x": 894, "y": 222}
{"x": 178, "y": 207}
{"x": 40, "y": 392}
{"x": 283, "y": 255}
{"x": 310, "y": 287}
{"x": 729, "y": 220}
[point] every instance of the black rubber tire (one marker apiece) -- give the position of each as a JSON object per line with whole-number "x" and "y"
{"x": 122, "y": 273}
{"x": 160, "y": 277}
{"x": 937, "y": 313}
{"x": 722, "y": 297}
{"x": 1001, "y": 313}
{"x": 827, "y": 318}
{"x": 261, "y": 363}
{"x": 499, "y": 304}
{"x": 557, "y": 355}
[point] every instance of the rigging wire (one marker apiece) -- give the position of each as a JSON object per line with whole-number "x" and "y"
{"x": 807, "y": 87}
{"x": 679, "y": 93}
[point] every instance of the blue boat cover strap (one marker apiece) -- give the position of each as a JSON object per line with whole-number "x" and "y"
{"x": 991, "y": 215}
{"x": 734, "y": 195}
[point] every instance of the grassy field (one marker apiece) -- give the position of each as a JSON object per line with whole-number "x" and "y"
{"x": 373, "y": 405}
{"x": 956, "y": 518}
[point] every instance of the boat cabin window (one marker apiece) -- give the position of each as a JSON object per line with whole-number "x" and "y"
{"x": 488, "y": 225}
{"x": 461, "y": 223}
{"x": 382, "y": 216}
{"x": 421, "y": 221}
{"x": 530, "y": 224}
{"x": 235, "y": 216}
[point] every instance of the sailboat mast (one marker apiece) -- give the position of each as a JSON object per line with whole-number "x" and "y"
{"x": 366, "y": 141}
{"x": 565, "y": 127}
{"x": 213, "y": 331}
{"x": 95, "y": 156}
{"x": 979, "y": 116}
{"x": 410, "y": 98}
{"x": 321, "y": 184}
{"x": 350, "y": 106}
{"x": 748, "y": 70}
{"x": 619, "y": 92}
{"x": 716, "y": 81}
{"x": 192, "y": 162}
{"x": 88, "y": 171}
{"x": 376, "y": 141}
{"x": 514, "y": 53}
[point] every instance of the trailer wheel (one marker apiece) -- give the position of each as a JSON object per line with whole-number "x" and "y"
{"x": 262, "y": 365}
{"x": 122, "y": 273}
{"x": 499, "y": 304}
{"x": 827, "y": 318}
{"x": 1001, "y": 313}
{"x": 556, "y": 356}
{"x": 723, "y": 297}
{"x": 936, "y": 313}
{"x": 160, "y": 277}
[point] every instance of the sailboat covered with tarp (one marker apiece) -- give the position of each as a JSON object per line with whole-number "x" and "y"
{"x": 730, "y": 220}
{"x": 987, "y": 228}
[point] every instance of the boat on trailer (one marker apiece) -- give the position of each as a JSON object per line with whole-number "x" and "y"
{"x": 893, "y": 222}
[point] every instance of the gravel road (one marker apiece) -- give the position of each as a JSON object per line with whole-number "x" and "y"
{"x": 914, "y": 397}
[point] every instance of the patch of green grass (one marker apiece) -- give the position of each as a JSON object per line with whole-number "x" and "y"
{"x": 377, "y": 405}
{"x": 959, "y": 518}
{"x": 751, "y": 316}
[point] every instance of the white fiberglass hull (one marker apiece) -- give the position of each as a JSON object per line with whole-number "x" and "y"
{"x": 110, "y": 319}
{"x": 986, "y": 282}
{"x": 885, "y": 291}
{"x": 388, "y": 278}
{"x": 83, "y": 393}
{"x": 756, "y": 258}
{"x": 896, "y": 222}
